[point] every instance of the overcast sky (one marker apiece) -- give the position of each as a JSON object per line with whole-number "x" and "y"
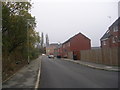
{"x": 62, "y": 19}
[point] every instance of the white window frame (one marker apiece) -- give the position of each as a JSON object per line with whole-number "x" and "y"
{"x": 68, "y": 44}
{"x": 115, "y": 29}
{"x": 113, "y": 40}
{"x": 104, "y": 42}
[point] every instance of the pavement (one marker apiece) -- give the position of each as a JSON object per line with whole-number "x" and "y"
{"x": 27, "y": 77}
{"x": 59, "y": 73}
{"x": 95, "y": 65}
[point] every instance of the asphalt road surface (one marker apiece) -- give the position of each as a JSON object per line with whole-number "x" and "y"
{"x": 57, "y": 73}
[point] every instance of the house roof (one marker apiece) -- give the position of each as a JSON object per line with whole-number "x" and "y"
{"x": 74, "y": 36}
{"x": 116, "y": 23}
{"x": 59, "y": 46}
{"x": 107, "y": 34}
{"x": 53, "y": 44}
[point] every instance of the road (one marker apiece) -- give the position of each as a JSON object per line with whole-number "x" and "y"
{"x": 57, "y": 73}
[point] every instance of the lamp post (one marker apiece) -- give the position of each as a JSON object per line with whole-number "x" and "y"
{"x": 1, "y": 35}
{"x": 1, "y": 24}
{"x": 28, "y": 21}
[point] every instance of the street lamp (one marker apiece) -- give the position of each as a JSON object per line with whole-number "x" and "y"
{"x": 1, "y": 35}
{"x": 1, "y": 24}
{"x": 28, "y": 22}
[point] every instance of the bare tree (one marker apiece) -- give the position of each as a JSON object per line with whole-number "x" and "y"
{"x": 42, "y": 39}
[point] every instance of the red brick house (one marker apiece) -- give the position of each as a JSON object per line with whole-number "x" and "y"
{"x": 58, "y": 51}
{"x": 50, "y": 49}
{"x": 112, "y": 37}
{"x": 72, "y": 47}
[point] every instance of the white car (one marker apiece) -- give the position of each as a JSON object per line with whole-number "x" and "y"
{"x": 50, "y": 56}
{"x": 43, "y": 54}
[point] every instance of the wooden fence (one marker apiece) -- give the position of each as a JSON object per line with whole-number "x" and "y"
{"x": 70, "y": 55}
{"x": 108, "y": 56}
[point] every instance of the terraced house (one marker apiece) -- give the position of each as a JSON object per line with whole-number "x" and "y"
{"x": 50, "y": 48}
{"x": 112, "y": 37}
{"x": 58, "y": 51}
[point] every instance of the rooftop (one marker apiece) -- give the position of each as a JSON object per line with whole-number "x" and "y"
{"x": 107, "y": 34}
{"x": 74, "y": 36}
{"x": 52, "y": 44}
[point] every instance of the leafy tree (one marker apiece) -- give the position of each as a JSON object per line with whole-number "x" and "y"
{"x": 17, "y": 26}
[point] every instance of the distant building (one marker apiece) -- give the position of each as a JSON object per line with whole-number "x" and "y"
{"x": 112, "y": 37}
{"x": 72, "y": 47}
{"x": 50, "y": 48}
{"x": 58, "y": 51}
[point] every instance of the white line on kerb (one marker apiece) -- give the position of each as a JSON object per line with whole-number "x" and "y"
{"x": 37, "y": 82}
{"x": 38, "y": 77}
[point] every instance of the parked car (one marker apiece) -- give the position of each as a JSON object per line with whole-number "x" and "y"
{"x": 50, "y": 56}
{"x": 43, "y": 54}
{"x": 58, "y": 56}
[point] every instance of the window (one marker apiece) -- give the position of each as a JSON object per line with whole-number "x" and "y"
{"x": 118, "y": 38}
{"x": 68, "y": 44}
{"x": 63, "y": 46}
{"x": 113, "y": 40}
{"x": 48, "y": 50}
{"x": 115, "y": 29}
{"x": 65, "y": 50}
{"x": 104, "y": 42}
